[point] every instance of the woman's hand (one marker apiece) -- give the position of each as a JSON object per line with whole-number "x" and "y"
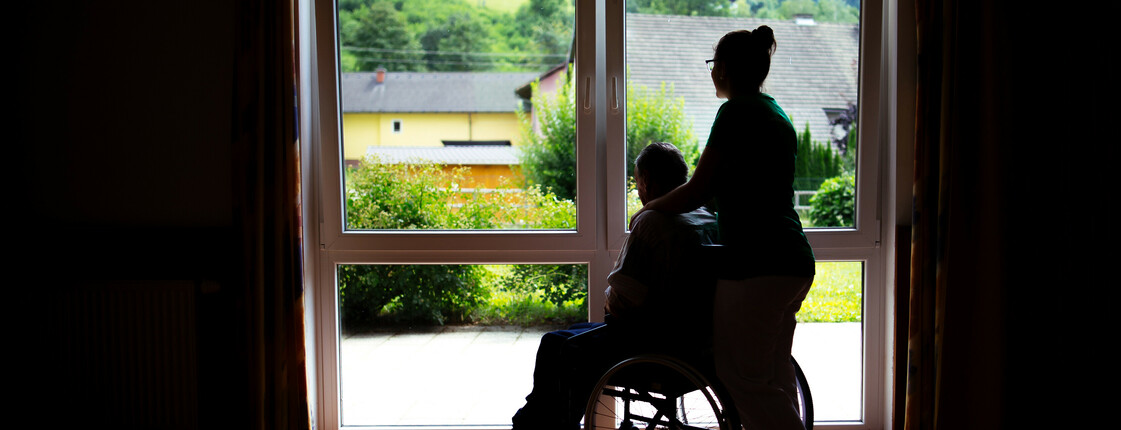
{"x": 630, "y": 225}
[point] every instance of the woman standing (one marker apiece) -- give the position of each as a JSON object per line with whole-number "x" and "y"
{"x": 747, "y": 167}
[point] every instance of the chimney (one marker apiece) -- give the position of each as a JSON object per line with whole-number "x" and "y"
{"x": 380, "y": 75}
{"x": 804, "y": 19}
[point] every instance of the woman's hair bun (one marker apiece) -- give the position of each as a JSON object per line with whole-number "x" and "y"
{"x": 764, "y": 38}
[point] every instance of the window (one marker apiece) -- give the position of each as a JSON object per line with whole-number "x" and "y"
{"x": 599, "y": 87}
{"x": 814, "y": 72}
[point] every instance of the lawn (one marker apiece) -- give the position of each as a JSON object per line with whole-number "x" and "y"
{"x": 836, "y": 296}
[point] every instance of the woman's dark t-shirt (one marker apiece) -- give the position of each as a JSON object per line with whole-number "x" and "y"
{"x": 754, "y": 188}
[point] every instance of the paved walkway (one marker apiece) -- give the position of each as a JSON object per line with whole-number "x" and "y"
{"x": 480, "y": 375}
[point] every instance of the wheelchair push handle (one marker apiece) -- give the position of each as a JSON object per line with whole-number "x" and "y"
{"x": 723, "y": 262}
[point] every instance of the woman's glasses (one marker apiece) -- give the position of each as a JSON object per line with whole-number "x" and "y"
{"x": 710, "y": 63}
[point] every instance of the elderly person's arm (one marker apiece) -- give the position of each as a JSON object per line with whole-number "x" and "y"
{"x": 641, "y": 262}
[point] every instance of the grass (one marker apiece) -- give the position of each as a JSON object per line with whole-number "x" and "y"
{"x": 512, "y": 308}
{"x": 836, "y": 296}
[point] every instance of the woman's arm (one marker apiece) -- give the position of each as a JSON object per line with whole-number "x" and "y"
{"x": 692, "y": 194}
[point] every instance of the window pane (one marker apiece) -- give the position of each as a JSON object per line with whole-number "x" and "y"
{"x": 828, "y": 341}
{"x": 447, "y": 344}
{"x": 456, "y": 114}
{"x": 813, "y": 77}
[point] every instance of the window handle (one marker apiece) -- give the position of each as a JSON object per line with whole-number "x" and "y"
{"x": 615, "y": 94}
{"x": 587, "y": 94}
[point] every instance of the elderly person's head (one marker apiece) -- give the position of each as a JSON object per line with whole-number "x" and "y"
{"x": 659, "y": 168}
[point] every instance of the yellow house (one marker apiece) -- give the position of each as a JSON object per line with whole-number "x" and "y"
{"x": 450, "y": 118}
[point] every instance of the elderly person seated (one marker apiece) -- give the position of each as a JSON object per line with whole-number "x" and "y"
{"x": 657, "y": 301}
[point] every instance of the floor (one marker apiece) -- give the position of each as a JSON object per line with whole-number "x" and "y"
{"x": 480, "y": 375}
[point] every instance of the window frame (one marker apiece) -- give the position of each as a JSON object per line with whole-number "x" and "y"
{"x": 601, "y": 229}
{"x": 334, "y": 245}
{"x": 861, "y": 242}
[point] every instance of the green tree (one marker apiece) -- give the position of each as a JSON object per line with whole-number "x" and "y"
{"x": 547, "y": 25}
{"x": 376, "y": 36}
{"x": 789, "y": 8}
{"x": 457, "y": 44}
{"x": 822, "y": 10}
{"x": 836, "y": 11}
{"x": 680, "y": 7}
{"x": 814, "y": 162}
{"x": 549, "y": 156}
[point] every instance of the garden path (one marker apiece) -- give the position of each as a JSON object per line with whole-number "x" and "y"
{"x": 480, "y": 375}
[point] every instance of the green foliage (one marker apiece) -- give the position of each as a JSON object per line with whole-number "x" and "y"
{"x": 375, "y": 36}
{"x": 822, "y": 10}
{"x": 549, "y": 156}
{"x": 547, "y": 24}
{"x": 680, "y": 7}
{"x": 834, "y": 203}
{"x": 657, "y": 116}
{"x": 815, "y": 162}
{"x": 408, "y": 294}
{"x": 847, "y": 144}
{"x": 528, "y": 309}
{"x": 527, "y": 35}
{"x": 558, "y": 283}
{"x": 428, "y": 196}
{"x": 454, "y": 35}
{"x": 836, "y": 294}
{"x": 449, "y": 45}
{"x": 850, "y": 154}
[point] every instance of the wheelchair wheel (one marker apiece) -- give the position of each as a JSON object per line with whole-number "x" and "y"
{"x": 655, "y": 392}
{"x": 805, "y": 399}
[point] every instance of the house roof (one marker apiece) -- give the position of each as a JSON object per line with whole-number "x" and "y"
{"x": 814, "y": 67}
{"x": 459, "y": 155}
{"x": 432, "y": 92}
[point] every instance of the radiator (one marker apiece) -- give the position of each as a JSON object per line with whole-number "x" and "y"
{"x": 131, "y": 354}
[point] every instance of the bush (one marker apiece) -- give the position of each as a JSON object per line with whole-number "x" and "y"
{"x": 428, "y": 196}
{"x": 657, "y": 116}
{"x": 558, "y": 283}
{"x": 834, "y": 202}
{"x": 549, "y": 157}
{"x": 528, "y": 309}
{"x": 408, "y": 294}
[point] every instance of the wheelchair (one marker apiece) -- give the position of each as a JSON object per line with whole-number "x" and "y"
{"x": 655, "y": 391}
{"x": 658, "y": 391}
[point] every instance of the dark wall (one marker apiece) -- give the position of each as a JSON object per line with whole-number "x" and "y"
{"x": 119, "y": 168}
{"x": 122, "y": 172}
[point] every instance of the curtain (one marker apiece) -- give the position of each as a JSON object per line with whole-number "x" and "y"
{"x": 955, "y": 329}
{"x": 267, "y": 208}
